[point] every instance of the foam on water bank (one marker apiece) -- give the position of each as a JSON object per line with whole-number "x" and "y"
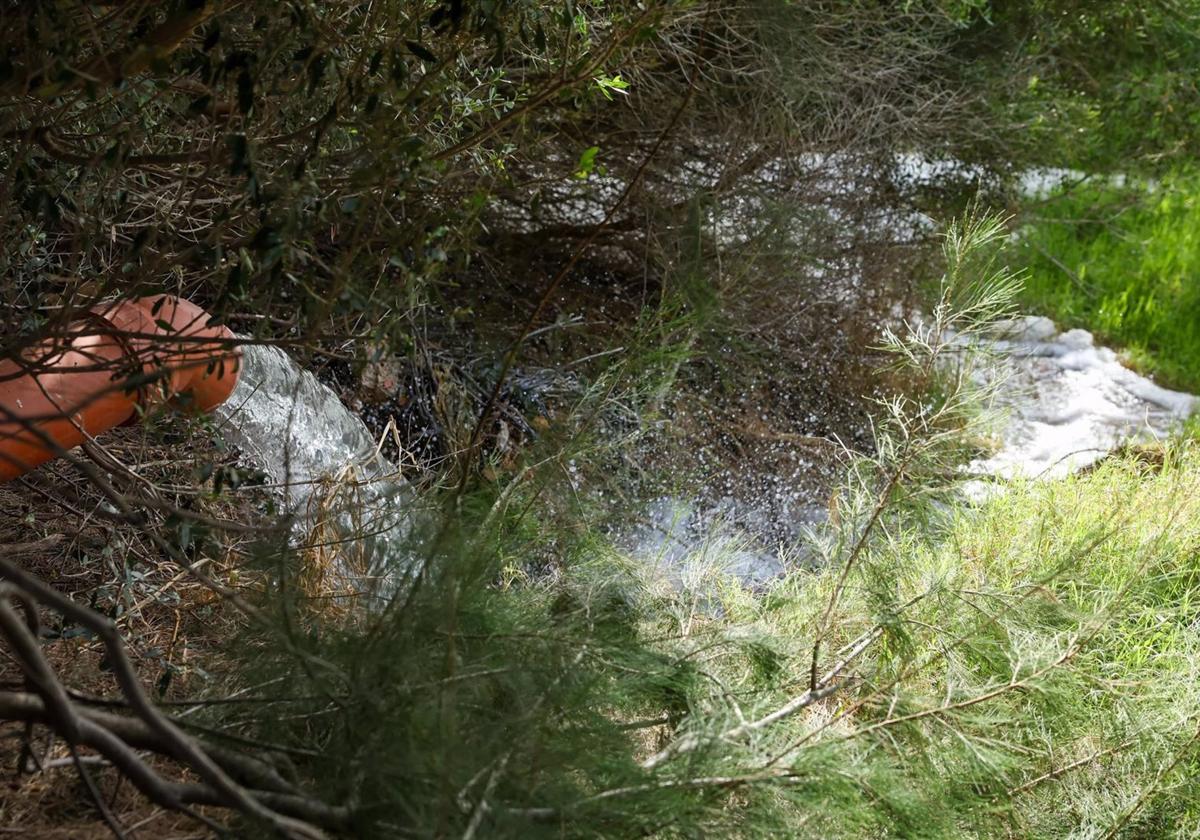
{"x": 1060, "y": 404}
{"x": 1064, "y": 402}
{"x": 690, "y": 546}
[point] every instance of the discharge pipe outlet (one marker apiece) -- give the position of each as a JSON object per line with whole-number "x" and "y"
{"x": 117, "y": 360}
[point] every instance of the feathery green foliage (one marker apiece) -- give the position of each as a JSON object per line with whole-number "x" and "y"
{"x": 350, "y": 178}
{"x": 1027, "y": 666}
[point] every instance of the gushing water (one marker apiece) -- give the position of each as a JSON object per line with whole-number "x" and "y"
{"x": 293, "y": 427}
{"x": 322, "y": 462}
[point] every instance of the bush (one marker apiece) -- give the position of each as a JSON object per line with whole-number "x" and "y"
{"x": 712, "y": 184}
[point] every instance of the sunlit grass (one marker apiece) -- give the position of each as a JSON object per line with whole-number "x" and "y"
{"x": 1125, "y": 264}
{"x": 1039, "y": 681}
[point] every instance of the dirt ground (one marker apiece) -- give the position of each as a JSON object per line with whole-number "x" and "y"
{"x": 59, "y": 527}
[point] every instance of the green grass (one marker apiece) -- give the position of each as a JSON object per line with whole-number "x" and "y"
{"x": 1028, "y": 667}
{"x": 1040, "y": 682}
{"x": 1031, "y": 669}
{"x": 1125, "y": 264}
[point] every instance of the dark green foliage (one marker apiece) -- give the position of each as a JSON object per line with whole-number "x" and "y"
{"x": 1099, "y": 85}
{"x": 458, "y": 692}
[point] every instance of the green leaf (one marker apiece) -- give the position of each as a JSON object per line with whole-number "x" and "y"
{"x": 609, "y": 85}
{"x": 587, "y": 162}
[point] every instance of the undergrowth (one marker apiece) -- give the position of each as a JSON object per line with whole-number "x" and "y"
{"x": 1040, "y": 682}
{"x": 1025, "y": 667}
{"x": 400, "y": 182}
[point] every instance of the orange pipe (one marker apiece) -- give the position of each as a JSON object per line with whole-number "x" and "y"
{"x": 122, "y": 356}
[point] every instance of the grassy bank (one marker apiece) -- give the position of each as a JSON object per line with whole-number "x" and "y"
{"x": 1124, "y": 263}
{"x": 1026, "y": 668}
{"x": 1034, "y": 674}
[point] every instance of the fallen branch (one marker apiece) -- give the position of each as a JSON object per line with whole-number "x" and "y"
{"x": 227, "y": 778}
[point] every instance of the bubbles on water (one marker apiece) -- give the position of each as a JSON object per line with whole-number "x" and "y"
{"x": 1064, "y": 402}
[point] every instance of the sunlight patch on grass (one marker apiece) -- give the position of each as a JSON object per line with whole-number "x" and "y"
{"x": 1125, "y": 264}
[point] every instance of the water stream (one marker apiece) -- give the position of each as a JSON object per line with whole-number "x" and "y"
{"x": 1064, "y": 403}
{"x": 1060, "y": 404}
{"x": 323, "y": 466}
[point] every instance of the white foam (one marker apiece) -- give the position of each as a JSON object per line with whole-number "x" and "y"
{"x": 1065, "y": 403}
